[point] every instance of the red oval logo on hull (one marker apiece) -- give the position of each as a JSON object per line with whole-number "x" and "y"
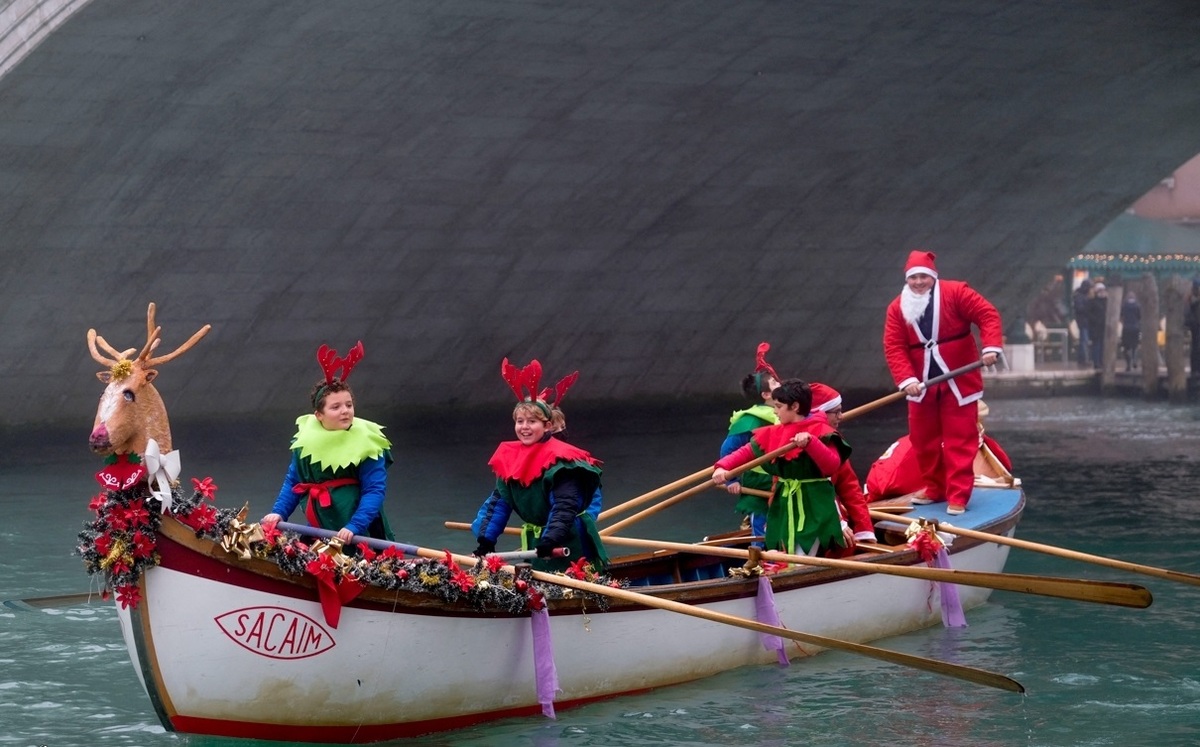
{"x": 276, "y": 632}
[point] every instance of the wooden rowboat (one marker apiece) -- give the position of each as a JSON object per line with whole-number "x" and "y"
{"x": 232, "y": 644}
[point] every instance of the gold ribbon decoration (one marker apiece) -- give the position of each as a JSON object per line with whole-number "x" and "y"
{"x": 239, "y": 535}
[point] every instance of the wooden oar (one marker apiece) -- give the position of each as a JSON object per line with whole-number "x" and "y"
{"x": 894, "y": 396}
{"x": 61, "y": 600}
{"x": 1081, "y": 590}
{"x": 970, "y": 674}
{"x": 753, "y": 491}
{"x": 1147, "y": 570}
{"x": 633, "y": 503}
{"x": 668, "y": 502}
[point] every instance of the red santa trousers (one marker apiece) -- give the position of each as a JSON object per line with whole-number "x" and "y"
{"x": 944, "y": 439}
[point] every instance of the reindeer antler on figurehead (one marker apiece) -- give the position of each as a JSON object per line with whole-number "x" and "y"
{"x": 131, "y": 412}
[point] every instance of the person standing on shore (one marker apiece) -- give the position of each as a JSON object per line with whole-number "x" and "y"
{"x": 1191, "y": 320}
{"x": 1097, "y": 321}
{"x": 1079, "y": 310}
{"x": 1131, "y": 329}
{"x": 927, "y": 332}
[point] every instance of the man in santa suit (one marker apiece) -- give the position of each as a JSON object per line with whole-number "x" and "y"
{"x": 926, "y": 333}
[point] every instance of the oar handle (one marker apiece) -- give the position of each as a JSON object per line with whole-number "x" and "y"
{"x": 666, "y": 503}
{"x": 633, "y": 503}
{"x": 757, "y": 492}
{"x": 894, "y": 396}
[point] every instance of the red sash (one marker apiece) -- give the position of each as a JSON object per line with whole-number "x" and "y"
{"x": 319, "y": 491}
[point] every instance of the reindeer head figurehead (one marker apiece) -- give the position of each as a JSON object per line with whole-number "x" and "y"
{"x": 131, "y": 411}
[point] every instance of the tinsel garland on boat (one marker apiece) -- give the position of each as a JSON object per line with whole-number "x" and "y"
{"x": 120, "y": 544}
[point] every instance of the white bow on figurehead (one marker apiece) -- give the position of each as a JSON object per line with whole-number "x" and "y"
{"x": 161, "y": 471}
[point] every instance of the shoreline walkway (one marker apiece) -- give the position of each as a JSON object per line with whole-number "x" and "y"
{"x": 1069, "y": 379}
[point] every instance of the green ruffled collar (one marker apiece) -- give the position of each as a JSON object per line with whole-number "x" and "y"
{"x": 762, "y": 412}
{"x": 334, "y": 450}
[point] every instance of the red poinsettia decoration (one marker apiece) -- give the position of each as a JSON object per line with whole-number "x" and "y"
{"x": 128, "y": 595}
{"x": 391, "y": 552}
{"x": 494, "y": 563}
{"x": 205, "y": 487}
{"x": 367, "y": 553}
{"x": 202, "y": 518}
{"x": 136, "y": 514}
{"x": 579, "y": 569}
{"x": 143, "y": 545}
{"x": 460, "y": 578}
{"x": 97, "y": 503}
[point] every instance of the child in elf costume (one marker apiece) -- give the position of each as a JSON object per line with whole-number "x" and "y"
{"x": 757, "y": 387}
{"x": 802, "y": 517}
{"x": 554, "y": 487}
{"x": 339, "y": 462}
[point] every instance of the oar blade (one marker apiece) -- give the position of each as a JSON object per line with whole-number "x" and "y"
{"x": 1077, "y": 589}
{"x": 33, "y": 604}
{"x": 961, "y": 671}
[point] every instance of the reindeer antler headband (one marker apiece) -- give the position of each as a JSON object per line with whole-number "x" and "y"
{"x": 761, "y": 366}
{"x": 331, "y": 364}
{"x": 524, "y": 383}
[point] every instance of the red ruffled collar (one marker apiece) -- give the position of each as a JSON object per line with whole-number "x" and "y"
{"x": 772, "y": 437}
{"x": 515, "y": 461}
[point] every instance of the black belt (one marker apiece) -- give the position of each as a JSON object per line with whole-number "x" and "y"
{"x": 931, "y": 343}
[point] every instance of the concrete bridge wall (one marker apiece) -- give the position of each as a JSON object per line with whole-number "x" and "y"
{"x": 643, "y": 191}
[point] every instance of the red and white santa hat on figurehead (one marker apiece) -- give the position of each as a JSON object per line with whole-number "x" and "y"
{"x": 920, "y": 261}
{"x": 824, "y": 398}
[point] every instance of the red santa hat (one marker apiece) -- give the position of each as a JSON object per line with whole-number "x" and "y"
{"x": 919, "y": 261}
{"x": 824, "y": 398}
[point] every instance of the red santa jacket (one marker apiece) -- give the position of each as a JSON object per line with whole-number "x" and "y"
{"x": 956, "y": 306}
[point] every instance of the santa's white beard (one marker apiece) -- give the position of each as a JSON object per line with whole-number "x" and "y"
{"x": 913, "y": 305}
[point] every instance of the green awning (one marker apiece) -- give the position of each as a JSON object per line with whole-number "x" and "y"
{"x": 1137, "y": 264}
{"x": 1133, "y": 245}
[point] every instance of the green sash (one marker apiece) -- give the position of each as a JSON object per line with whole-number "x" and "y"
{"x": 803, "y": 513}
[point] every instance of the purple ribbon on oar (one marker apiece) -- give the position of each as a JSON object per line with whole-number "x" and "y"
{"x": 764, "y": 607}
{"x": 952, "y": 611}
{"x": 543, "y": 660}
